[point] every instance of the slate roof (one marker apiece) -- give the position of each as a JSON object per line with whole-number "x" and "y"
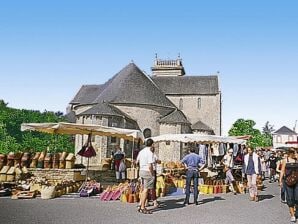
{"x": 87, "y": 94}
{"x": 132, "y": 86}
{"x": 104, "y": 109}
{"x": 71, "y": 117}
{"x": 285, "y": 131}
{"x": 201, "y": 126}
{"x": 187, "y": 84}
{"x": 176, "y": 117}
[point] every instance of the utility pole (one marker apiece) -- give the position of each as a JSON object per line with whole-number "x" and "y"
{"x": 294, "y": 129}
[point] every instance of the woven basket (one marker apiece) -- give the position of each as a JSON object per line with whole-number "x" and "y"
{"x": 62, "y": 164}
{"x": 48, "y": 192}
{"x": 11, "y": 174}
{"x": 69, "y": 164}
{"x": 225, "y": 188}
{"x": 33, "y": 163}
{"x": 35, "y": 187}
{"x": 204, "y": 189}
{"x": 132, "y": 173}
{"x": 171, "y": 165}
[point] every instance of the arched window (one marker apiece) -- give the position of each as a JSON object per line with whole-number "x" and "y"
{"x": 147, "y": 133}
{"x": 181, "y": 104}
{"x": 199, "y": 103}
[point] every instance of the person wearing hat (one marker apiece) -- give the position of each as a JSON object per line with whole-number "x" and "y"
{"x": 228, "y": 167}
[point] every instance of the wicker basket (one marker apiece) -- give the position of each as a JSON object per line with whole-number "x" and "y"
{"x": 25, "y": 159}
{"x": 69, "y": 164}
{"x": 55, "y": 160}
{"x": 10, "y": 174}
{"x": 70, "y": 159}
{"x": 35, "y": 187}
{"x": 48, "y": 192}
{"x": 225, "y": 188}
{"x": 204, "y": 189}
{"x": 3, "y": 173}
{"x": 2, "y": 161}
{"x": 132, "y": 173}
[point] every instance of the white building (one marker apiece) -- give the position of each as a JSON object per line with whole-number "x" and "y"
{"x": 282, "y": 136}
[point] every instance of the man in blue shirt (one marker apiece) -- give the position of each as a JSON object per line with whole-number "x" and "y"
{"x": 193, "y": 163}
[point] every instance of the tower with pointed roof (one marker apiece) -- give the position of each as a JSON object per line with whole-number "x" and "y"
{"x": 132, "y": 99}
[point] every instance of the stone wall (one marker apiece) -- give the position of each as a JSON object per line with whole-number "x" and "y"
{"x": 145, "y": 117}
{"x": 169, "y": 151}
{"x": 59, "y": 174}
{"x": 209, "y": 111}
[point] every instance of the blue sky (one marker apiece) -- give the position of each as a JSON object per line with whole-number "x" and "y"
{"x": 48, "y": 49}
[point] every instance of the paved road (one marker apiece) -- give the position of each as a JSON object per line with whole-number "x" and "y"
{"x": 218, "y": 209}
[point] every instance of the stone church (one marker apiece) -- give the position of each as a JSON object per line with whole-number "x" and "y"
{"x": 168, "y": 101}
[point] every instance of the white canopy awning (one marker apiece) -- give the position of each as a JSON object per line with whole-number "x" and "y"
{"x": 83, "y": 129}
{"x": 196, "y": 138}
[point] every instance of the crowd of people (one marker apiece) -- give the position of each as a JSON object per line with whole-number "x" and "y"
{"x": 264, "y": 163}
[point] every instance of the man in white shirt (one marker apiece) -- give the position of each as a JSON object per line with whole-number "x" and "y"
{"x": 146, "y": 160}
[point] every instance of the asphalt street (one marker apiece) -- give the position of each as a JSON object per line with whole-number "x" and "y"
{"x": 215, "y": 209}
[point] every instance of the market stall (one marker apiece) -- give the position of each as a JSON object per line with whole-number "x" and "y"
{"x": 46, "y": 165}
{"x": 212, "y": 148}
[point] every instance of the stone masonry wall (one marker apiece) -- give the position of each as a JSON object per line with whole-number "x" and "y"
{"x": 146, "y": 118}
{"x": 209, "y": 113}
{"x": 169, "y": 151}
{"x": 59, "y": 174}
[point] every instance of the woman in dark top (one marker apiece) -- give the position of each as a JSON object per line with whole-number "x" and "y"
{"x": 288, "y": 166}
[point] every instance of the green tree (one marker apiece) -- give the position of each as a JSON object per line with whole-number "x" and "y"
{"x": 7, "y": 143}
{"x": 13, "y": 139}
{"x": 268, "y": 129}
{"x": 246, "y": 127}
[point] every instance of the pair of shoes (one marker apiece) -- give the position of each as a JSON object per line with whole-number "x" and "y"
{"x": 186, "y": 203}
{"x": 256, "y": 198}
{"x": 293, "y": 219}
{"x": 251, "y": 198}
{"x": 144, "y": 211}
{"x": 157, "y": 205}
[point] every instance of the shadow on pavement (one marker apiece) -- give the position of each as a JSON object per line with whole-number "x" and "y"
{"x": 266, "y": 197}
{"x": 207, "y": 200}
{"x": 178, "y": 203}
{"x": 170, "y": 204}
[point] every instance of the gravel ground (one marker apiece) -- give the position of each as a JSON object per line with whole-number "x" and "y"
{"x": 221, "y": 208}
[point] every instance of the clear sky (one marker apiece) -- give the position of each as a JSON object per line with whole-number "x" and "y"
{"x": 48, "y": 49}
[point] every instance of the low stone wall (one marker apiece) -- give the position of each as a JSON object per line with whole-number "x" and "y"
{"x": 59, "y": 174}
